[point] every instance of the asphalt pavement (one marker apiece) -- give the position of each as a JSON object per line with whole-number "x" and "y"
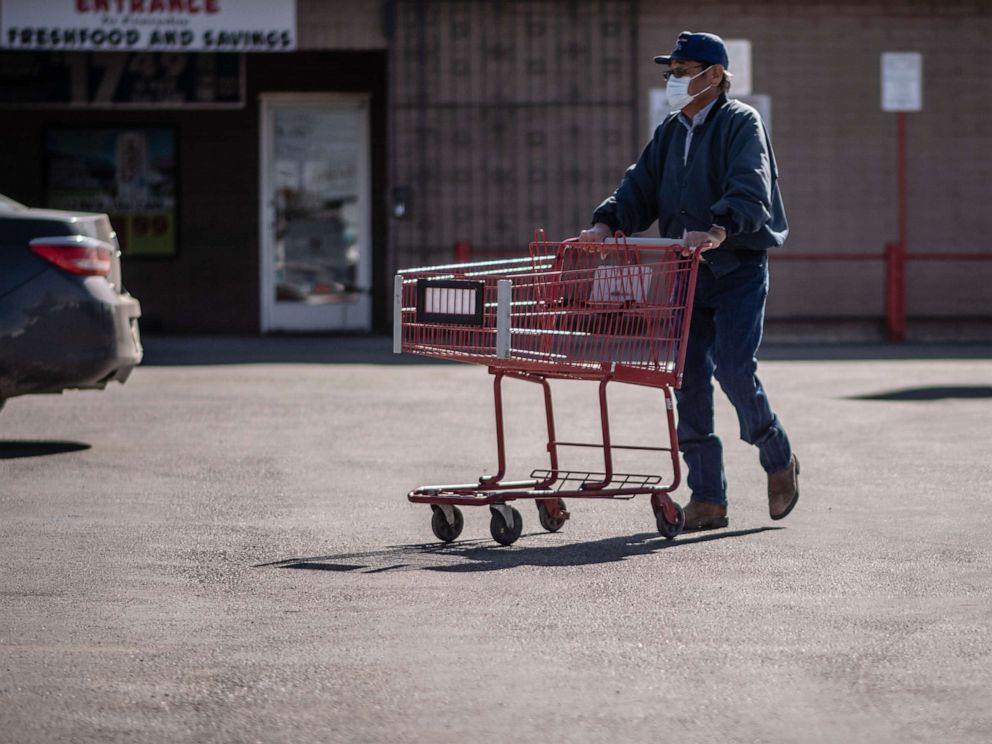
{"x": 221, "y": 550}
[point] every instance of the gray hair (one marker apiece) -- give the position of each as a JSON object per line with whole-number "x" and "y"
{"x": 725, "y": 82}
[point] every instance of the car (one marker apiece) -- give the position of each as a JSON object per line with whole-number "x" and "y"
{"x": 66, "y": 320}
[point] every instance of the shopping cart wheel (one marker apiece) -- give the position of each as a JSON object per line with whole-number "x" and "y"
{"x": 666, "y": 528}
{"x": 549, "y": 522}
{"x": 443, "y": 529}
{"x": 503, "y": 533}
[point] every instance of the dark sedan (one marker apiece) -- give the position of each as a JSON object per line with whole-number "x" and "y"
{"x": 66, "y": 320}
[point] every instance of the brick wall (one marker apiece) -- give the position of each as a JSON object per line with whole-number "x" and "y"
{"x": 507, "y": 116}
{"x": 340, "y": 25}
{"x": 820, "y": 63}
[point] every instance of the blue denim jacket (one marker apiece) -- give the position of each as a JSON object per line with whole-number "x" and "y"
{"x": 729, "y": 179}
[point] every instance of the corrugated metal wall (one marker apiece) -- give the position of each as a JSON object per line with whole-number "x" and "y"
{"x": 507, "y": 116}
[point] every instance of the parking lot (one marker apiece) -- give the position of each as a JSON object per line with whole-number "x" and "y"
{"x": 221, "y": 551}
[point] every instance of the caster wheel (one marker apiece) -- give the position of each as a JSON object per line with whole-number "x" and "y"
{"x": 548, "y": 522}
{"x": 668, "y": 530}
{"x": 443, "y": 530}
{"x": 503, "y": 533}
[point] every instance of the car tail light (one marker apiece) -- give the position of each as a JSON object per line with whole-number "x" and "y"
{"x": 76, "y": 254}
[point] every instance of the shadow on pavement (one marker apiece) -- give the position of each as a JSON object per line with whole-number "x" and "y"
{"x": 466, "y": 556}
{"x": 12, "y": 448}
{"x": 931, "y": 393}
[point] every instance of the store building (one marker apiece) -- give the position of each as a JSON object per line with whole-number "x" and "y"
{"x": 270, "y": 163}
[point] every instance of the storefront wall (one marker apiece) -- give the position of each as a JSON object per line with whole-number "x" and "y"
{"x": 492, "y": 119}
{"x": 509, "y": 116}
{"x": 819, "y": 62}
{"x": 212, "y": 285}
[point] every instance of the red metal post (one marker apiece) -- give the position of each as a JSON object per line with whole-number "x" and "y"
{"x": 895, "y": 292}
{"x": 895, "y": 253}
{"x": 463, "y": 251}
{"x": 901, "y": 168}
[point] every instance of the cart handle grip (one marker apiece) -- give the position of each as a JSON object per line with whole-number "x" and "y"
{"x": 646, "y": 242}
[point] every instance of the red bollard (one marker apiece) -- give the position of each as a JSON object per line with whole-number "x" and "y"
{"x": 895, "y": 291}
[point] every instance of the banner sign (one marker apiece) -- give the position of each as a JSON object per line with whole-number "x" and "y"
{"x": 142, "y": 80}
{"x": 128, "y": 173}
{"x": 149, "y": 25}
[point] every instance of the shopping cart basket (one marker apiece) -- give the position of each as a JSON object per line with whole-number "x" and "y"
{"x": 616, "y": 311}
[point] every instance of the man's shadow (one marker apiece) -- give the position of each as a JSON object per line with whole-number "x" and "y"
{"x": 469, "y": 556}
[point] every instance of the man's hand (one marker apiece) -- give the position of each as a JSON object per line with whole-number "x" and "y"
{"x": 595, "y": 234}
{"x": 705, "y": 241}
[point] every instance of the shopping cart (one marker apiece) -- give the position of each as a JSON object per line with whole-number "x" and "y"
{"x": 616, "y": 311}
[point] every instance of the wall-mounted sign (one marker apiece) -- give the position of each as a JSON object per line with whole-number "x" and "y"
{"x": 902, "y": 81}
{"x": 149, "y": 25}
{"x": 739, "y": 52}
{"x": 121, "y": 80}
{"x": 128, "y": 173}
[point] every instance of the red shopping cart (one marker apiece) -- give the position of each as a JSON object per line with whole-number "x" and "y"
{"x": 616, "y": 311}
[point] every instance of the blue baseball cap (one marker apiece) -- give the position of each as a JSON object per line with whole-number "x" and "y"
{"x": 700, "y": 47}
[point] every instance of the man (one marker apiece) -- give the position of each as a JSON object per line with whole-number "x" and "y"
{"x": 709, "y": 177}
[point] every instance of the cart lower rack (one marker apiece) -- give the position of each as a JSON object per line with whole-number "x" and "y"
{"x": 616, "y": 311}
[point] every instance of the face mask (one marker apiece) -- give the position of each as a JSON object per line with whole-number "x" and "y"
{"x": 677, "y": 91}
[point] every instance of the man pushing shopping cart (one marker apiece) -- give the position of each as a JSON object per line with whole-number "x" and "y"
{"x": 709, "y": 175}
{"x": 667, "y": 313}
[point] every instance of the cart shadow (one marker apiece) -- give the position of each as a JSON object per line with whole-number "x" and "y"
{"x": 13, "y": 448}
{"x": 468, "y": 556}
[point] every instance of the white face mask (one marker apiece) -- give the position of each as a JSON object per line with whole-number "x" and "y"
{"x": 677, "y": 91}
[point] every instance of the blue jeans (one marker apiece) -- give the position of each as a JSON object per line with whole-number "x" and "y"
{"x": 727, "y": 319}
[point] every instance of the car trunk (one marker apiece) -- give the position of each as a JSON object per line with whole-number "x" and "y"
{"x": 24, "y": 225}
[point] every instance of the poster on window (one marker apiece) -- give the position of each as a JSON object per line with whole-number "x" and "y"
{"x": 129, "y": 173}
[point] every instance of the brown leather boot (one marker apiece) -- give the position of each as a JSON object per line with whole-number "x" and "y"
{"x": 783, "y": 490}
{"x": 700, "y": 515}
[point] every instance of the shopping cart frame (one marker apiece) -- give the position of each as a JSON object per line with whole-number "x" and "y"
{"x": 549, "y": 487}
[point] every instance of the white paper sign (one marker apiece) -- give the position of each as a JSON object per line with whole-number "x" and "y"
{"x": 739, "y": 53}
{"x": 149, "y": 25}
{"x": 902, "y": 81}
{"x": 620, "y": 284}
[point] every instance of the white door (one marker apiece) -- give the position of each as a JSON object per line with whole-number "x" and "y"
{"x": 316, "y": 263}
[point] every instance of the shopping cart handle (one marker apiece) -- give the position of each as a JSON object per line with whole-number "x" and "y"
{"x": 645, "y": 242}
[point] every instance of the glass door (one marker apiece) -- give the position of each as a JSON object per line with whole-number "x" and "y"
{"x": 315, "y": 217}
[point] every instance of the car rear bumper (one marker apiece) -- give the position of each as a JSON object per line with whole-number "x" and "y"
{"x": 59, "y": 332}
